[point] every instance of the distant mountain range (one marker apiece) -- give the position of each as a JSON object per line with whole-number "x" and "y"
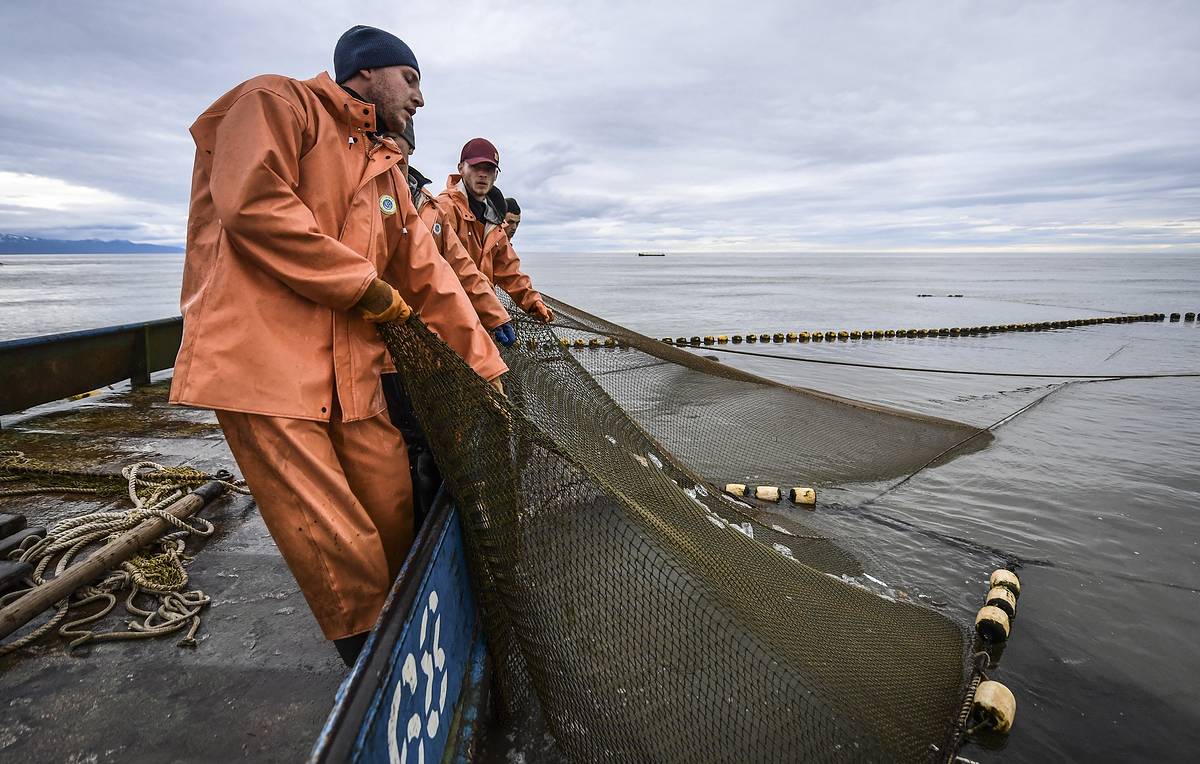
{"x": 11, "y": 244}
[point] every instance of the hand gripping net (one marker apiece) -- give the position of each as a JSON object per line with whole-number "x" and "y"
{"x": 648, "y": 616}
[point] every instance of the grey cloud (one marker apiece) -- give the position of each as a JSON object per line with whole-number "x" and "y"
{"x": 630, "y": 125}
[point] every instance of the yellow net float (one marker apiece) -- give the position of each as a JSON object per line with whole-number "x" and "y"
{"x": 879, "y": 334}
{"x": 579, "y": 343}
{"x": 843, "y": 336}
{"x": 803, "y": 336}
{"x": 609, "y": 342}
{"x": 710, "y": 340}
{"x": 767, "y": 493}
{"x": 681, "y": 340}
{"x": 992, "y": 623}
{"x": 805, "y": 497}
{"x": 564, "y": 342}
{"x": 737, "y": 339}
{"x": 831, "y": 336}
{"x": 1002, "y": 598}
{"x": 993, "y": 707}
{"x": 792, "y": 336}
{"x": 764, "y": 337}
{"x": 889, "y": 333}
{"x": 735, "y": 489}
{"x": 722, "y": 339}
{"x": 856, "y": 335}
{"x": 777, "y": 337}
{"x": 1006, "y": 579}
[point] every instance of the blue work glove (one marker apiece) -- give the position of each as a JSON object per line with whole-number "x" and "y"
{"x": 506, "y": 334}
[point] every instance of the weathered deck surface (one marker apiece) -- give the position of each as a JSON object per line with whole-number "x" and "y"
{"x": 262, "y": 680}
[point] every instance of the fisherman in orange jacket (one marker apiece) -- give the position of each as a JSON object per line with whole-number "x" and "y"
{"x": 301, "y": 237}
{"x": 477, "y": 286}
{"x": 473, "y": 206}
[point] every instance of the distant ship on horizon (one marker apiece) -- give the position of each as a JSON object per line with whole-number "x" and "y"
{"x": 652, "y": 254}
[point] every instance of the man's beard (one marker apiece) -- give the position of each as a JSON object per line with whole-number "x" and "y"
{"x": 388, "y": 109}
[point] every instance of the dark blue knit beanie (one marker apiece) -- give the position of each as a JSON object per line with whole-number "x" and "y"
{"x": 364, "y": 47}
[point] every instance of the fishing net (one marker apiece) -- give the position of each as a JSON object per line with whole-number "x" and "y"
{"x": 729, "y": 425}
{"x": 646, "y": 615}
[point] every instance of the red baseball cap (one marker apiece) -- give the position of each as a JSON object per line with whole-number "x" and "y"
{"x": 480, "y": 150}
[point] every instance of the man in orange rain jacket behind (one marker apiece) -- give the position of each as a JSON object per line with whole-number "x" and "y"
{"x": 477, "y": 286}
{"x": 474, "y": 207}
{"x": 301, "y": 237}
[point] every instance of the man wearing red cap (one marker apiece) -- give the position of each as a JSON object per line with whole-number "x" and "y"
{"x": 301, "y": 237}
{"x": 475, "y": 208}
{"x": 477, "y": 286}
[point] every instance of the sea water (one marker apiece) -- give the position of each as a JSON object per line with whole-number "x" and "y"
{"x": 1095, "y": 486}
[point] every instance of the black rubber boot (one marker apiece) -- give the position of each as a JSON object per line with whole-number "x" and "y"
{"x": 350, "y": 647}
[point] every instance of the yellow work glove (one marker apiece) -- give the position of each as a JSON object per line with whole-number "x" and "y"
{"x": 382, "y": 303}
{"x": 539, "y": 311}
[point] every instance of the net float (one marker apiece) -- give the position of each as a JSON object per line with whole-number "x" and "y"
{"x": 1002, "y": 598}
{"x": 992, "y": 623}
{"x": 806, "y": 497}
{"x": 736, "y": 489}
{"x": 767, "y": 493}
{"x": 1007, "y": 579}
{"x": 993, "y": 707}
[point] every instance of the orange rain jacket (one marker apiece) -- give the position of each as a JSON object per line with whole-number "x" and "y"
{"x": 477, "y": 286}
{"x": 289, "y": 224}
{"x": 486, "y": 242}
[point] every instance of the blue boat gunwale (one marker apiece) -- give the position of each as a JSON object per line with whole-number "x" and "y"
{"x": 355, "y": 698}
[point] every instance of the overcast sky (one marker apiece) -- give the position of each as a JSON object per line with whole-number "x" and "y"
{"x": 840, "y": 126}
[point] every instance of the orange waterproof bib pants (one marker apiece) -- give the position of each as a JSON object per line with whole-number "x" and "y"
{"x": 337, "y": 498}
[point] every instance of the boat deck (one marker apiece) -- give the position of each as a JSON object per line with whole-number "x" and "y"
{"x": 262, "y": 680}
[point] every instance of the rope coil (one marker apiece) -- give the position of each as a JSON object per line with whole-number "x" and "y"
{"x": 162, "y": 574}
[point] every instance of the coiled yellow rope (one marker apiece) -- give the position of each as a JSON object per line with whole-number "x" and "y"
{"x": 163, "y": 575}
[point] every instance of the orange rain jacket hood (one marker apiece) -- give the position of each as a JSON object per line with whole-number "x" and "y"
{"x": 289, "y": 224}
{"x": 486, "y": 242}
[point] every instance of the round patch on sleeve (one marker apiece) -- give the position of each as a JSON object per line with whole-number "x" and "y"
{"x": 387, "y": 205}
{"x": 437, "y": 229}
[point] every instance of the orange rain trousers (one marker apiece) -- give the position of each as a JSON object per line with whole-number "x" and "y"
{"x": 337, "y": 498}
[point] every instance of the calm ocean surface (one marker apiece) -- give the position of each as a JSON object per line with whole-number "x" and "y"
{"x": 1097, "y": 486}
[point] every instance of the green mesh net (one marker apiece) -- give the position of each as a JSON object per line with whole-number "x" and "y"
{"x": 643, "y": 614}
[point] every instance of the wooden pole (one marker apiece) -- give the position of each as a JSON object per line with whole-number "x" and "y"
{"x": 112, "y": 554}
